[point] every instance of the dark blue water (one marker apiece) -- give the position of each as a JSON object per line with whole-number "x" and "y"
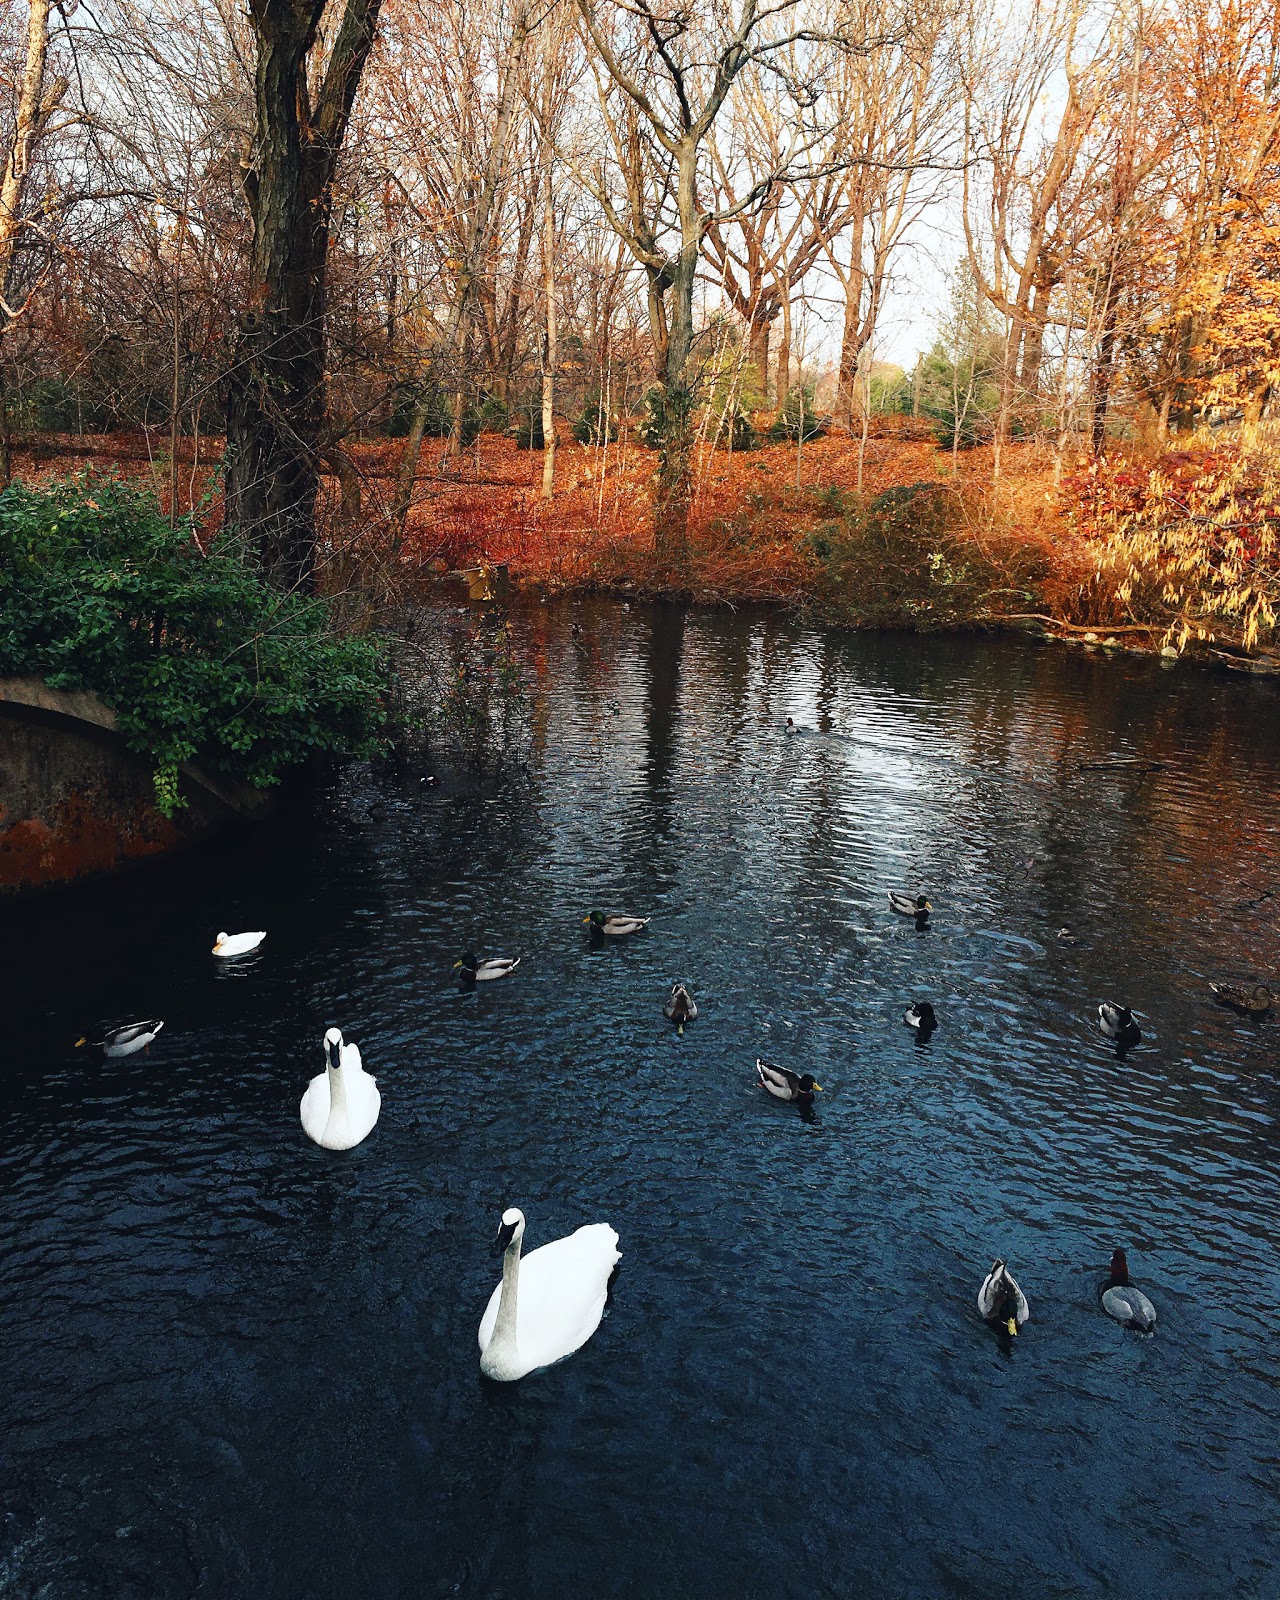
{"x": 234, "y": 1364}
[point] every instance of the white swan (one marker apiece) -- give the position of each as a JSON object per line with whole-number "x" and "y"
{"x": 549, "y": 1305}
{"x": 1000, "y": 1299}
{"x": 341, "y": 1105}
{"x": 237, "y": 944}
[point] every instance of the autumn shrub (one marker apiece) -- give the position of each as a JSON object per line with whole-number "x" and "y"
{"x": 910, "y": 558}
{"x": 199, "y": 658}
{"x": 1191, "y": 541}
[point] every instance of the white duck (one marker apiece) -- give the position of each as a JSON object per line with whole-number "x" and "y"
{"x": 341, "y": 1105}
{"x": 1000, "y": 1299}
{"x": 237, "y": 944}
{"x": 548, "y": 1306}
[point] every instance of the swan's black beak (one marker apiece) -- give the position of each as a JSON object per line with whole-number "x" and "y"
{"x": 506, "y": 1233}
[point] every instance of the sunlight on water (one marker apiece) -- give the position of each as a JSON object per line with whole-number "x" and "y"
{"x": 234, "y": 1363}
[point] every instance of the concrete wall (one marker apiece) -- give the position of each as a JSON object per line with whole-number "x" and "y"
{"x": 76, "y": 804}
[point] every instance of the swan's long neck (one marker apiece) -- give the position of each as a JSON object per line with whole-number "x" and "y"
{"x": 504, "y": 1329}
{"x": 337, "y": 1093}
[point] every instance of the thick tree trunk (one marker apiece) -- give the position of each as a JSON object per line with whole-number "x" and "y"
{"x": 276, "y": 404}
{"x": 758, "y": 347}
{"x": 276, "y": 401}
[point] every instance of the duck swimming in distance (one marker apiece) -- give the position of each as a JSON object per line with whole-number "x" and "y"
{"x": 125, "y": 1040}
{"x": 783, "y": 1084}
{"x": 548, "y": 1305}
{"x": 905, "y": 906}
{"x": 1118, "y": 1024}
{"x": 681, "y": 1006}
{"x": 920, "y": 1015}
{"x": 1001, "y": 1301}
{"x": 229, "y": 945}
{"x": 472, "y": 970}
{"x": 341, "y": 1104}
{"x": 1255, "y": 1002}
{"x": 1122, "y": 1301}
{"x": 616, "y": 927}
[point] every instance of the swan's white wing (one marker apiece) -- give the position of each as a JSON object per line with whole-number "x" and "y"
{"x": 562, "y": 1293}
{"x": 364, "y": 1102}
{"x": 315, "y": 1107}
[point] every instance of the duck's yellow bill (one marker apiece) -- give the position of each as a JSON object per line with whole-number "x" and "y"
{"x": 79, "y": 1042}
{"x": 457, "y": 964}
{"x": 1012, "y": 1325}
{"x": 817, "y": 1088}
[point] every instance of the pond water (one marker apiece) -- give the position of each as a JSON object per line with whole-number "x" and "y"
{"x": 235, "y": 1364}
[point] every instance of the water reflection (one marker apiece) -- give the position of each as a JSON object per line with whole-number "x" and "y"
{"x": 202, "y": 1311}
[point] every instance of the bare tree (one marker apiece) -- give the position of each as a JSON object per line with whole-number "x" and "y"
{"x": 662, "y": 80}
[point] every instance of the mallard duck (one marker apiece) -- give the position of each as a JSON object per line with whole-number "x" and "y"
{"x": 680, "y": 1007}
{"x": 476, "y": 971}
{"x": 1122, "y": 1301}
{"x": 237, "y": 944}
{"x": 920, "y": 1015}
{"x": 1001, "y": 1301}
{"x": 905, "y": 906}
{"x": 615, "y": 926}
{"x": 1118, "y": 1024}
{"x": 1255, "y": 1002}
{"x": 126, "y": 1040}
{"x": 783, "y": 1084}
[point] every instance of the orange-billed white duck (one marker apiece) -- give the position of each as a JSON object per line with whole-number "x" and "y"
{"x": 615, "y": 926}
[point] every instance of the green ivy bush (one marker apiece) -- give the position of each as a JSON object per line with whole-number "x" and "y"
{"x": 798, "y": 418}
{"x": 199, "y": 658}
{"x": 594, "y": 425}
{"x": 528, "y": 433}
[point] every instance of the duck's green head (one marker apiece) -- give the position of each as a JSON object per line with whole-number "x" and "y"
{"x": 596, "y": 919}
{"x": 807, "y": 1085}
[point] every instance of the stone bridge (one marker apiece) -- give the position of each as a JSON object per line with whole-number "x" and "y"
{"x": 76, "y": 803}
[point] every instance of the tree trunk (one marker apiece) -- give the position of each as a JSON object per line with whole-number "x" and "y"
{"x": 549, "y": 336}
{"x": 276, "y": 406}
{"x": 671, "y": 286}
{"x": 758, "y": 346}
{"x": 783, "y": 380}
{"x": 35, "y": 107}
